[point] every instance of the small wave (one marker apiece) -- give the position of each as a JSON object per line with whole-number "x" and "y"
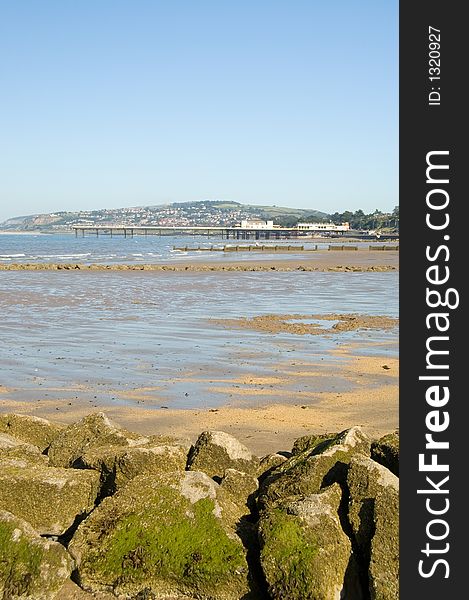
{"x": 12, "y": 255}
{"x": 63, "y": 256}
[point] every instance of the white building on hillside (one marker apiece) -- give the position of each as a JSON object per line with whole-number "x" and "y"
{"x": 323, "y": 227}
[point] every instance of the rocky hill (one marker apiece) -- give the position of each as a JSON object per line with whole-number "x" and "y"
{"x": 177, "y": 214}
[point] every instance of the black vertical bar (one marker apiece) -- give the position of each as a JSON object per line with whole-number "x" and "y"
{"x": 433, "y": 124}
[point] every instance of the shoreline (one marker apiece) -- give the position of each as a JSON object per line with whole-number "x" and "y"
{"x": 342, "y": 261}
{"x": 371, "y": 401}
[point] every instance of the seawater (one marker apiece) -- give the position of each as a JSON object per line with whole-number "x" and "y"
{"x": 65, "y": 248}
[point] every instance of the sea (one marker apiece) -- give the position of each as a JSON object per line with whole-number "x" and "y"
{"x": 66, "y": 248}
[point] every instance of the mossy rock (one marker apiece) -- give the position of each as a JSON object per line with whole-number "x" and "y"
{"x": 31, "y": 567}
{"x": 50, "y": 499}
{"x": 32, "y": 430}
{"x": 71, "y": 591}
{"x": 118, "y": 465}
{"x": 241, "y": 489}
{"x": 12, "y": 448}
{"x": 310, "y": 442}
{"x": 171, "y": 535}
{"x": 269, "y": 463}
{"x": 309, "y": 471}
{"x": 93, "y": 431}
{"x": 374, "y": 517}
{"x": 304, "y": 551}
{"x": 216, "y": 451}
{"x": 386, "y": 452}
{"x": 25, "y": 453}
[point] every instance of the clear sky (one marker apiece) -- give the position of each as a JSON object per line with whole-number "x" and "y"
{"x": 109, "y": 103}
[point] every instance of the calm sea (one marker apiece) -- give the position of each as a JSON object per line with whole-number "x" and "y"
{"x": 118, "y": 249}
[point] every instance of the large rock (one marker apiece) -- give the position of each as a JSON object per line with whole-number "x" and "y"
{"x": 269, "y": 463}
{"x": 386, "y": 452}
{"x": 92, "y": 431}
{"x": 24, "y": 453}
{"x": 164, "y": 536}
{"x": 48, "y": 498}
{"x": 32, "y": 430}
{"x": 309, "y": 471}
{"x": 241, "y": 489}
{"x": 12, "y": 448}
{"x": 31, "y": 568}
{"x": 310, "y": 442}
{"x": 119, "y": 465}
{"x": 216, "y": 451}
{"x": 304, "y": 552}
{"x": 8, "y": 441}
{"x": 374, "y": 517}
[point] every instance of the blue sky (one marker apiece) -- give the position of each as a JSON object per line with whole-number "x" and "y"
{"x": 109, "y": 103}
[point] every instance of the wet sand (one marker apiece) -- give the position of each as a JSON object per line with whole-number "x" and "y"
{"x": 371, "y": 401}
{"x": 304, "y": 324}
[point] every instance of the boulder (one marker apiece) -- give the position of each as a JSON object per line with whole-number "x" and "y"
{"x": 31, "y": 567}
{"x": 386, "y": 452}
{"x": 374, "y": 517}
{"x": 24, "y": 452}
{"x": 216, "y": 451}
{"x": 168, "y": 535}
{"x": 32, "y": 430}
{"x": 50, "y": 499}
{"x": 119, "y": 465}
{"x": 92, "y": 431}
{"x": 8, "y": 441}
{"x": 310, "y": 442}
{"x": 268, "y": 463}
{"x": 304, "y": 551}
{"x": 11, "y": 447}
{"x": 309, "y": 471}
{"x": 71, "y": 591}
{"x": 241, "y": 488}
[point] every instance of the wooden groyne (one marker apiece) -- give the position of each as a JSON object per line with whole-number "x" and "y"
{"x": 250, "y": 248}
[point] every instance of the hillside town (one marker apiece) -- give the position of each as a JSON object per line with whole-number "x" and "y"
{"x": 203, "y": 213}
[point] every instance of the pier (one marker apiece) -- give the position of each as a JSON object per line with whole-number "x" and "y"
{"x": 235, "y": 233}
{"x": 225, "y": 232}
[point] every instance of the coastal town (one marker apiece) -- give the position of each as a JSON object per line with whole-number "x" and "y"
{"x": 222, "y": 214}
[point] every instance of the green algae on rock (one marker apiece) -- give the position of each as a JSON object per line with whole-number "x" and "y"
{"x": 170, "y": 534}
{"x": 49, "y": 498}
{"x": 31, "y": 567}
{"x": 92, "y": 431}
{"x": 29, "y": 429}
{"x": 304, "y": 552}
{"x": 310, "y": 442}
{"x": 215, "y": 451}
{"x": 374, "y": 517}
{"x": 24, "y": 452}
{"x": 241, "y": 488}
{"x": 386, "y": 452}
{"x": 309, "y": 471}
{"x": 119, "y": 465}
{"x": 269, "y": 463}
